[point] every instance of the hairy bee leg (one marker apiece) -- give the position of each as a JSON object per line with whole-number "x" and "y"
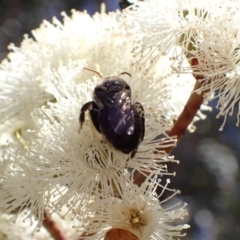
{"x": 138, "y": 106}
{"x": 85, "y": 107}
{"x": 94, "y": 111}
{"x": 133, "y": 153}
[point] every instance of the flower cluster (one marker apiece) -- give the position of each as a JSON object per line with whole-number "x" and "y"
{"x": 203, "y": 31}
{"x": 48, "y": 163}
{"x": 138, "y": 211}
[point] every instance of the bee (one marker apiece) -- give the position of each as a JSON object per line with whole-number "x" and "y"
{"x": 120, "y": 122}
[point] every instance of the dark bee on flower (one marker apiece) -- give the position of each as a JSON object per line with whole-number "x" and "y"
{"x": 114, "y": 116}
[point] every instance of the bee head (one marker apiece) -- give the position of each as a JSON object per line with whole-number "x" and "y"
{"x": 110, "y": 91}
{"x": 113, "y": 85}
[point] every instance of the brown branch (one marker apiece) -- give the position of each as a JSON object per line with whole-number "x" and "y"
{"x": 190, "y": 110}
{"x": 120, "y": 234}
{"x": 53, "y": 228}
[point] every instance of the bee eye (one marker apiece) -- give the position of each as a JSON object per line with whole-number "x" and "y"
{"x": 127, "y": 87}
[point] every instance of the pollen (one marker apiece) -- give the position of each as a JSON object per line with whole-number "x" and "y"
{"x": 135, "y": 220}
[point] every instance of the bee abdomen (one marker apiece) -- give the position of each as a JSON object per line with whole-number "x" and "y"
{"x": 123, "y": 142}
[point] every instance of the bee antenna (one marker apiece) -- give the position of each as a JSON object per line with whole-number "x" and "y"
{"x": 122, "y": 73}
{"x": 91, "y": 70}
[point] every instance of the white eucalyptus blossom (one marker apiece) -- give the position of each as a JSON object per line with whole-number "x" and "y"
{"x": 80, "y": 159}
{"x": 23, "y": 190}
{"x": 19, "y": 231}
{"x": 219, "y": 66}
{"x": 204, "y": 31}
{"x": 161, "y": 26}
{"x": 60, "y": 48}
{"x": 60, "y": 165}
{"x": 138, "y": 211}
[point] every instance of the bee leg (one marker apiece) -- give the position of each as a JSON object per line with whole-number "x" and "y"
{"x": 94, "y": 113}
{"x": 85, "y": 107}
{"x": 93, "y": 109}
{"x": 133, "y": 153}
{"x": 138, "y": 106}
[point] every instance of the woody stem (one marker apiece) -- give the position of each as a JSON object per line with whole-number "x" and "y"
{"x": 54, "y": 230}
{"x": 189, "y": 111}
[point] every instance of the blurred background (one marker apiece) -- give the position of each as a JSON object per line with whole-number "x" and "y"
{"x": 208, "y": 174}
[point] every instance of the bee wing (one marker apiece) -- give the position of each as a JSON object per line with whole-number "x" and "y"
{"x": 121, "y": 115}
